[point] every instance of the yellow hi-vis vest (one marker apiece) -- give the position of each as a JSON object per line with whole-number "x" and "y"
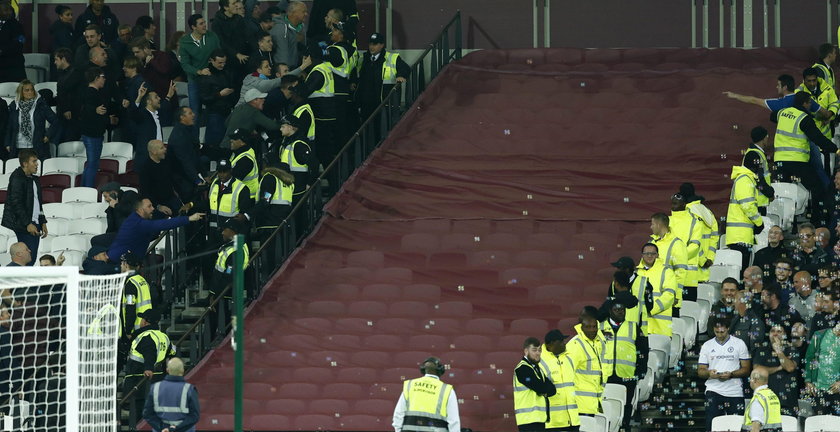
{"x": 685, "y": 226}
{"x": 142, "y": 302}
{"x": 346, "y": 64}
{"x": 287, "y": 156}
{"x": 425, "y": 405}
{"x": 222, "y": 257}
{"x": 772, "y": 410}
{"x": 620, "y": 349}
{"x": 710, "y": 237}
{"x": 226, "y": 205}
{"x": 389, "y": 68}
{"x": 306, "y": 108}
{"x": 761, "y": 199}
{"x": 161, "y": 341}
{"x": 742, "y": 214}
{"x": 105, "y": 316}
{"x": 528, "y": 406}
{"x": 828, "y": 100}
{"x": 589, "y": 377}
{"x": 328, "y": 89}
{"x": 562, "y": 406}
{"x": 664, "y": 283}
{"x": 252, "y": 179}
{"x": 827, "y": 71}
{"x": 282, "y": 194}
{"x": 790, "y": 143}
{"x": 674, "y": 255}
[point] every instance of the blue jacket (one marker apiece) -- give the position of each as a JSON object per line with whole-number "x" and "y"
{"x": 136, "y": 233}
{"x": 183, "y": 414}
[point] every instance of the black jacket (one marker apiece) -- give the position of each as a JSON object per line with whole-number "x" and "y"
{"x": 370, "y": 91}
{"x": 69, "y": 85}
{"x": 145, "y": 128}
{"x": 233, "y": 36}
{"x": 183, "y": 148}
{"x": 107, "y": 21}
{"x": 11, "y": 51}
{"x": 63, "y": 35}
{"x": 209, "y": 87}
{"x": 19, "y": 201}
{"x": 41, "y": 114}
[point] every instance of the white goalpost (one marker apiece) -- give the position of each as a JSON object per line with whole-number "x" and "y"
{"x": 58, "y": 349}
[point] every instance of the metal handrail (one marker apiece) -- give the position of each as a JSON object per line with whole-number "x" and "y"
{"x": 440, "y": 55}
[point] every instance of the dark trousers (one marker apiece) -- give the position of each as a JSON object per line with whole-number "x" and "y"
{"x": 717, "y": 405}
{"x": 531, "y": 427}
{"x": 568, "y": 428}
{"x": 745, "y": 250}
{"x": 826, "y": 403}
{"x": 809, "y": 178}
{"x": 31, "y": 241}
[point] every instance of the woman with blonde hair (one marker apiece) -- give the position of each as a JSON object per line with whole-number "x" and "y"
{"x": 27, "y": 126}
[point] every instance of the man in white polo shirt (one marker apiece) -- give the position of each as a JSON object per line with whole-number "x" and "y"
{"x": 724, "y": 360}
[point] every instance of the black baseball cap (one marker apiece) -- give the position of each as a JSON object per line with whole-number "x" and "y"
{"x": 150, "y": 315}
{"x": 131, "y": 259}
{"x": 291, "y": 120}
{"x": 223, "y": 165}
{"x": 377, "y": 38}
{"x": 240, "y": 134}
{"x": 624, "y": 263}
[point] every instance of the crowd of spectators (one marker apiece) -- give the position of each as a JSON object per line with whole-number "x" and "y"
{"x": 277, "y": 95}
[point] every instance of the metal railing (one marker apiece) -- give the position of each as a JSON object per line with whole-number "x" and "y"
{"x": 307, "y": 211}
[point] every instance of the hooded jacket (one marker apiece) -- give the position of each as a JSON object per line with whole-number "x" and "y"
{"x": 256, "y": 81}
{"x": 742, "y": 215}
{"x": 107, "y": 21}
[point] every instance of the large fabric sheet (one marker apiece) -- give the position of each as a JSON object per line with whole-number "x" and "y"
{"x": 490, "y": 214}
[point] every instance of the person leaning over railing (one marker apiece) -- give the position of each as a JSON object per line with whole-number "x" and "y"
{"x": 139, "y": 229}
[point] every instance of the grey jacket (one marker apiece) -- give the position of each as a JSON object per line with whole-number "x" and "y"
{"x": 285, "y": 42}
{"x": 263, "y": 85}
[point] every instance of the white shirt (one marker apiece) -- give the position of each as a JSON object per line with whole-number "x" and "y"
{"x": 756, "y": 410}
{"x": 452, "y": 417}
{"x": 158, "y": 130}
{"x": 36, "y": 206}
{"x": 724, "y": 357}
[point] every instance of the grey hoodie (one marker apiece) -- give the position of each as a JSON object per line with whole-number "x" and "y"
{"x": 285, "y": 42}
{"x": 263, "y": 85}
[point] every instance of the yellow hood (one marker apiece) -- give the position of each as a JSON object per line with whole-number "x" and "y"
{"x": 739, "y": 170}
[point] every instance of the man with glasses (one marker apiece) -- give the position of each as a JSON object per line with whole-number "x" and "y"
{"x": 808, "y": 256}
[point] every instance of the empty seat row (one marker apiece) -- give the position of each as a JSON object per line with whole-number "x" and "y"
{"x": 505, "y": 334}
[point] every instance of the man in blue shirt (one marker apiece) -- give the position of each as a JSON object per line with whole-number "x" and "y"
{"x": 139, "y": 229}
{"x": 166, "y": 410}
{"x": 785, "y": 86}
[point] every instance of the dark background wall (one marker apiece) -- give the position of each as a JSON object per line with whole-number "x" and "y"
{"x": 489, "y": 24}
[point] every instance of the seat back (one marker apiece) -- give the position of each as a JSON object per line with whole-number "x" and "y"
{"x": 822, "y": 423}
{"x": 727, "y": 423}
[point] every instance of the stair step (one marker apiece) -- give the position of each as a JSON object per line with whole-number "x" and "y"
{"x": 192, "y": 314}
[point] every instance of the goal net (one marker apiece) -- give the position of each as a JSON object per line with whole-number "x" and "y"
{"x": 58, "y": 349}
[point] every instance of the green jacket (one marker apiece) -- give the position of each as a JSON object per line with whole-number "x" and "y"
{"x": 195, "y": 55}
{"x": 822, "y": 361}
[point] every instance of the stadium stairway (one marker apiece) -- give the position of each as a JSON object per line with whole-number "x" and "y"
{"x": 491, "y": 213}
